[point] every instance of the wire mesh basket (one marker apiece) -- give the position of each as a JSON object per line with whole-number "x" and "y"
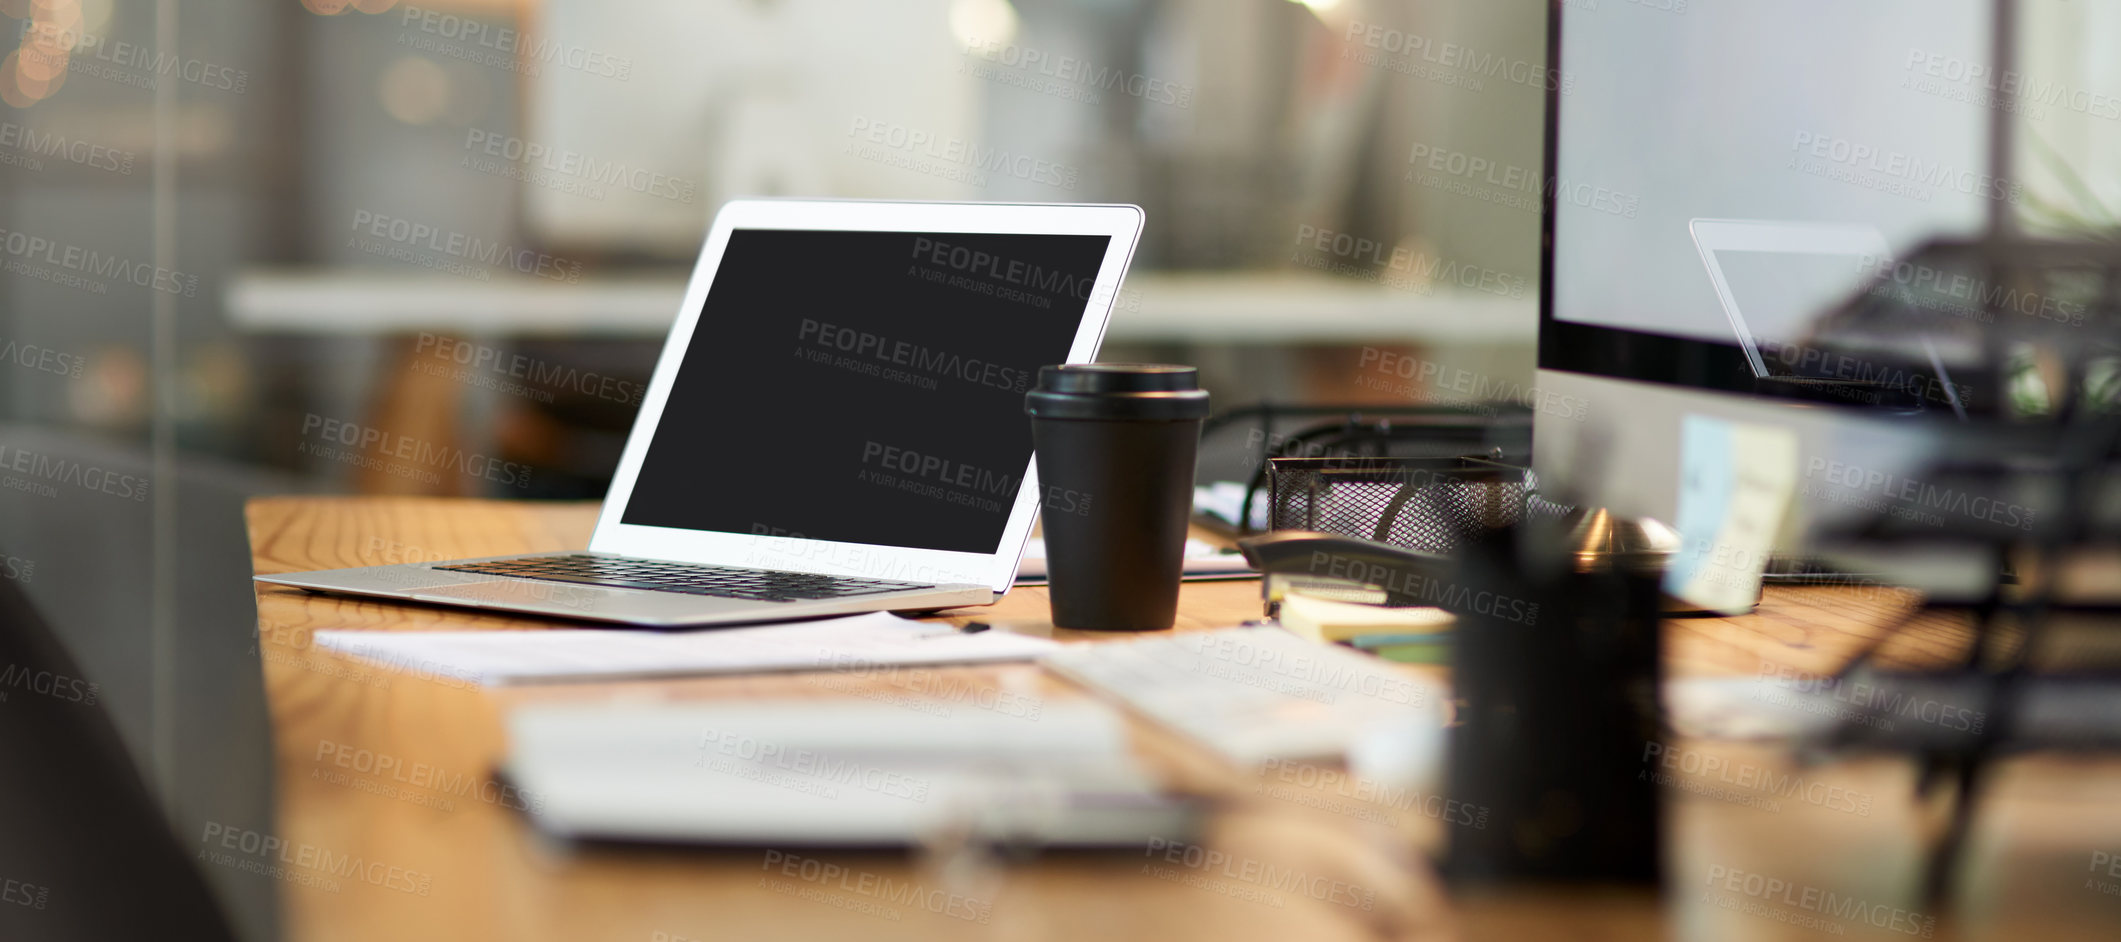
{"x": 1435, "y": 505}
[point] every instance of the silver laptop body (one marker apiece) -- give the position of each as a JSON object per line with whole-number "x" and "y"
{"x": 898, "y": 517}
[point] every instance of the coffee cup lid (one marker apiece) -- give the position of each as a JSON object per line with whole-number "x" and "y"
{"x": 1118, "y": 391}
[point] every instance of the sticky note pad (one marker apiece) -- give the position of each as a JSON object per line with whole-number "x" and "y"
{"x": 1735, "y": 484}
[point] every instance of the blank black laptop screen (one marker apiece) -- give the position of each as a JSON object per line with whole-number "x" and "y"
{"x": 865, "y": 387}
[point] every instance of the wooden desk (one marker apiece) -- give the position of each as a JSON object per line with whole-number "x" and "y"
{"x": 392, "y": 829}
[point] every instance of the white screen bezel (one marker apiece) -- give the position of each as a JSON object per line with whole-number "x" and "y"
{"x": 1122, "y": 223}
{"x": 1766, "y": 235}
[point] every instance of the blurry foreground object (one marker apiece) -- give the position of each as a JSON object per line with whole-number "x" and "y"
{"x": 86, "y": 853}
{"x": 2027, "y": 474}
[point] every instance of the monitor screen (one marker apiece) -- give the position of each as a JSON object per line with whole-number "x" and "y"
{"x": 865, "y": 387}
{"x": 1793, "y": 113}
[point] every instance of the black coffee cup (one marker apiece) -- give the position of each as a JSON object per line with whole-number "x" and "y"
{"x": 1116, "y": 444}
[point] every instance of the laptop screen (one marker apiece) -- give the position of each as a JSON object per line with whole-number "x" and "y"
{"x": 865, "y": 387}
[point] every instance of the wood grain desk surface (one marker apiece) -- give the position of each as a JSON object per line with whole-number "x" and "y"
{"x": 390, "y": 826}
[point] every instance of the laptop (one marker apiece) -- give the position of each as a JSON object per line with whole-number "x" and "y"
{"x": 836, "y": 423}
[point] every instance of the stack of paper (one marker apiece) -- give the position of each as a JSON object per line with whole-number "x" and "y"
{"x": 1202, "y": 561}
{"x": 504, "y": 657}
{"x": 1325, "y": 620}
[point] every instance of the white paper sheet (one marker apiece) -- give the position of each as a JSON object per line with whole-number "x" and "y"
{"x": 1202, "y": 561}
{"x": 851, "y": 643}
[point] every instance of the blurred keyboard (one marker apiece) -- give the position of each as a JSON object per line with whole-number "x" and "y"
{"x": 1250, "y": 694}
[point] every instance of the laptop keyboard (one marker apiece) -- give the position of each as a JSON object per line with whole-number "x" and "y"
{"x": 762, "y": 585}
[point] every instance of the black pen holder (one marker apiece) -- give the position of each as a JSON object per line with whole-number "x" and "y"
{"x": 1557, "y": 675}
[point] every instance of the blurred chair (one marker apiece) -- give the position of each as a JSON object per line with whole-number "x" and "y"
{"x": 85, "y": 852}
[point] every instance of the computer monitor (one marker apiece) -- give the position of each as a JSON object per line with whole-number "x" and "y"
{"x": 1719, "y": 172}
